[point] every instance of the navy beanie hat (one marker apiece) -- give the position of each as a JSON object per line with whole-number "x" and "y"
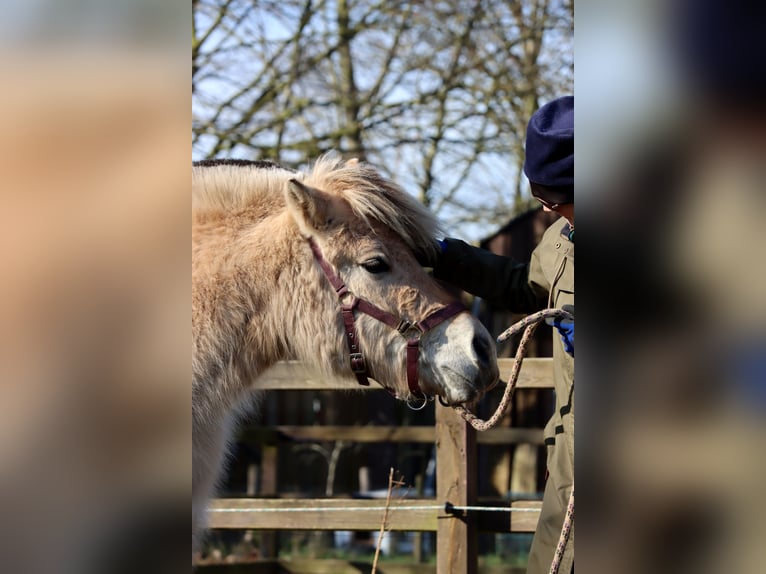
{"x": 549, "y": 154}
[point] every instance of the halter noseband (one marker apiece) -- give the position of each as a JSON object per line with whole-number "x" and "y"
{"x": 358, "y": 363}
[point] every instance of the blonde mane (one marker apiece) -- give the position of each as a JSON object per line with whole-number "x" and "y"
{"x": 232, "y": 185}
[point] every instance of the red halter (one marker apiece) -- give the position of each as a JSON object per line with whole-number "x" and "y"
{"x": 358, "y": 363}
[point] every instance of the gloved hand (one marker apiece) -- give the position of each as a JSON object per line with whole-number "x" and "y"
{"x": 432, "y": 259}
{"x": 565, "y": 328}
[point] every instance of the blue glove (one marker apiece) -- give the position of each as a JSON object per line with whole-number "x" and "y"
{"x": 432, "y": 259}
{"x": 565, "y": 328}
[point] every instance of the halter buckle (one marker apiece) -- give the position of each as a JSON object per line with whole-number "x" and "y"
{"x": 403, "y": 326}
{"x": 358, "y": 364}
{"x": 347, "y": 295}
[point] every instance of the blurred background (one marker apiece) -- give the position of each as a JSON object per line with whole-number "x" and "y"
{"x": 95, "y": 446}
{"x": 672, "y": 373}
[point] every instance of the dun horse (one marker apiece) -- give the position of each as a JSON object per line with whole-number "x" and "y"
{"x": 317, "y": 267}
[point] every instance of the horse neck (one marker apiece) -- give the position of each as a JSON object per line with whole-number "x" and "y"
{"x": 295, "y": 306}
{"x": 247, "y": 280}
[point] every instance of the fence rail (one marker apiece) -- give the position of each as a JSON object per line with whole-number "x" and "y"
{"x": 371, "y": 434}
{"x": 410, "y": 515}
{"x": 335, "y": 566}
{"x": 536, "y": 373}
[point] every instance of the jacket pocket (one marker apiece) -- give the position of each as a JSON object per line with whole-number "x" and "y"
{"x": 563, "y": 288}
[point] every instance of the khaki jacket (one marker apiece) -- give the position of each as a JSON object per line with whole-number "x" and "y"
{"x": 546, "y": 281}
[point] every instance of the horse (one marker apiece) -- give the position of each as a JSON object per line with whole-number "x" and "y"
{"x": 318, "y": 266}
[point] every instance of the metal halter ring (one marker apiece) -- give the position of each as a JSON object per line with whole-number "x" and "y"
{"x": 443, "y": 402}
{"x": 418, "y": 408}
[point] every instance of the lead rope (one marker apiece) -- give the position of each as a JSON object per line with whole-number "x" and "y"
{"x": 564, "y": 538}
{"x": 529, "y": 324}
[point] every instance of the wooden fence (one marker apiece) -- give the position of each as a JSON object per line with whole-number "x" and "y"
{"x": 456, "y": 477}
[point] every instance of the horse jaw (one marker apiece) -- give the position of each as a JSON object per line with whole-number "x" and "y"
{"x": 458, "y": 361}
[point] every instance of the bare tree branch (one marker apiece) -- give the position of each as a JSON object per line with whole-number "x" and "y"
{"x": 436, "y": 94}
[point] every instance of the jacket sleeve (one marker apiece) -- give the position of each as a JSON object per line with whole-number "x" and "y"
{"x": 501, "y": 281}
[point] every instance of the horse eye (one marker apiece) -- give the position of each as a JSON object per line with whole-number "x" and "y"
{"x": 376, "y": 265}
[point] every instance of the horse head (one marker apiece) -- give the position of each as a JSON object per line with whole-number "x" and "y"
{"x": 387, "y": 317}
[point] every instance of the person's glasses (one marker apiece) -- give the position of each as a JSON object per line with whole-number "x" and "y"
{"x": 551, "y": 206}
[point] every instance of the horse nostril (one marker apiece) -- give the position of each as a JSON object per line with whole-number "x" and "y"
{"x": 481, "y": 348}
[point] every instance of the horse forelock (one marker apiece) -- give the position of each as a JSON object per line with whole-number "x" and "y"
{"x": 376, "y": 199}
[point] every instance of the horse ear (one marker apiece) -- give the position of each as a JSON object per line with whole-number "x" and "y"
{"x": 307, "y": 205}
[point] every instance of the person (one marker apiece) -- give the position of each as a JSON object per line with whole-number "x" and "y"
{"x": 546, "y": 281}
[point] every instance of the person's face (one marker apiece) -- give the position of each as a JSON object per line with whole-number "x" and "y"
{"x": 566, "y": 210}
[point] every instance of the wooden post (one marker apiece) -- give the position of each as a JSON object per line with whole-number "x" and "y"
{"x": 417, "y": 541}
{"x": 456, "y": 535}
{"x": 269, "y": 454}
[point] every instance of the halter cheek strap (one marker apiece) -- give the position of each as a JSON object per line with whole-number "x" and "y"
{"x": 358, "y": 364}
{"x": 357, "y": 361}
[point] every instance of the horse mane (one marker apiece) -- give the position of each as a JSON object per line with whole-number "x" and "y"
{"x": 258, "y": 163}
{"x": 236, "y": 184}
{"x": 373, "y": 198}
